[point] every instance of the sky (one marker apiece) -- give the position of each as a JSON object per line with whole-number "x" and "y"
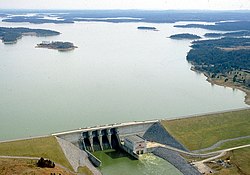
{"x": 127, "y": 4}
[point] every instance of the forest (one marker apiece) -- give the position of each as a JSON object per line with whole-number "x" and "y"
{"x": 58, "y": 45}
{"x": 228, "y": 34}
{"x": 221, "y": 26}
{"x": 212, "y": 56}
{"x": 184, "y": 36}
{"x": 11, "y": 35}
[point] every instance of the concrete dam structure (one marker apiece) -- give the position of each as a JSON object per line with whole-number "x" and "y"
{"x": 135, "y": 138}
{"x": 105, "y": 136}
{"x": 99, "y": 139}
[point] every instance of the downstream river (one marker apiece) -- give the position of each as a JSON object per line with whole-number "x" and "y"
{"x": 115, "y": 161}
{"x": 117, "y": 74}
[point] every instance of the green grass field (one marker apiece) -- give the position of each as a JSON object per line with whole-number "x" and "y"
{"x": 39, "y": 147}
{"x": 231, "y": 144}
{"x": 204, "y": 131}
{"x": 241, "y": 159}
{"x": 85, "y": 170}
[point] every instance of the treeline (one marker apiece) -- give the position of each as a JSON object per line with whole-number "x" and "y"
{"x": 2, "y": 15}
{"x": 57, "y": 45}
{"x": 184, "y": 36}
{"x": 151, "y": 16}
{"x": 62, "y": 45}
{"x": 223, "y": 42}
{"x": 208, "y": 55}
{"x": 229, "y": 34}
{"x": 221, "y": 26}
{"x": 10, "y": 37}
{"x": 12, "y": 34}
{"x": 36, "y": 20}
{"x": 146, "y": 28}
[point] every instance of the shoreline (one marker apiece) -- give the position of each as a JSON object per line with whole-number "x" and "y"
{"x": 246, "y": 91}
{"x": 230, "y": 85}
{"x": 159, "y": 120}
{"x": 62, "y": 50}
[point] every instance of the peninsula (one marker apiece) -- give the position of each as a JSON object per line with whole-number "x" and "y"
{"x": 185, "y": 36}
{"x": 221, "y": 26}
{"x": 245, "y": 33}
{"x": 57, "y": 45}
{"x": 37, "y": 19}
{"x": 11, "y": 35}
{"x": 224, "y": 61}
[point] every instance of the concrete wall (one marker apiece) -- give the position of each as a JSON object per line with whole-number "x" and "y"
{"x": 76, "y": 157}
{"x": 176, "y": 160}
{"x": 71, "y": 137}
{"x": 95, "y": 161}
{"x": 123, "y": 130}
{"x": 133, "y": 129}
{"x": 130, "y": 151}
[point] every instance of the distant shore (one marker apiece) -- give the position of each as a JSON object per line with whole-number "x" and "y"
{"x": 10, "y": 42}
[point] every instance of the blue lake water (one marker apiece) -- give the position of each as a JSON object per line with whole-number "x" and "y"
{"x": 116, "y": 74}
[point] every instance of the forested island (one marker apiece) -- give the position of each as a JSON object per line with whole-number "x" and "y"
{"x": 228, "y": 34}
{"x": 11, "y": 35}
{"x": 36, "y": 20}
{"x": 221, "y": 26}
{"x": 57, "y": 45}
{"x": 146, "y": 28}
{"x": 224, "y": 61}
{"x": 185, "y": 36}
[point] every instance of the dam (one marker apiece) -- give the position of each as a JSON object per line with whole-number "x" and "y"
{"x": 135, "y": 138}
{"x": 105, "y": 137}
{"x": 110, "y": 136}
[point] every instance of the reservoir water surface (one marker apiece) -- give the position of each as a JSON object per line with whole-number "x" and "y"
{"x": 117, "y": 74}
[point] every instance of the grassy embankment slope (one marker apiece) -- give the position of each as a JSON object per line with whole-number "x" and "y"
{"x": 46, "y": 147}
{"x": 204, "y": 131}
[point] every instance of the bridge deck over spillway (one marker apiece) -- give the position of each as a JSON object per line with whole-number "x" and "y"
{"x": 104, "y": 136}
{"x": 99, "y": 127}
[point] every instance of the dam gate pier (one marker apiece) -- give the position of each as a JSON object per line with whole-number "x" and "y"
{"x": 104, "y": 137}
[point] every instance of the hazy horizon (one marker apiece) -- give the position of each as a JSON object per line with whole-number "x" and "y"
{"x": 125, "y": 5}
{"x": 177, "y": 10}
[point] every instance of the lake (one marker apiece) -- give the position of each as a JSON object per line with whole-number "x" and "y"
{"x": 117, "y": 74}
